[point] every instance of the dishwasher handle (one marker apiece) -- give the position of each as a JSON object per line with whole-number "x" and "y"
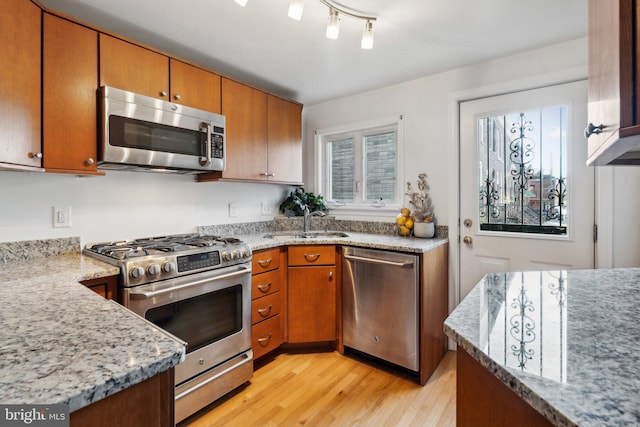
{"x": 404, "y": 264}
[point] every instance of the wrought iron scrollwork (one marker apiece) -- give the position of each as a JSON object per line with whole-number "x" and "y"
{"x": 521, "y": 155}
{"x": 489, "y": 197}
{"x": 522, "y": 328}
{"x": 557, "y": 200}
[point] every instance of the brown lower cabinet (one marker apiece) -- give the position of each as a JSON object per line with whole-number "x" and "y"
{"x": 483, "y": 400}
{"x": 312, "y": 278}
{"x": 105, "y": 286}
{"x": 149, "y": 403}
{"x": 267, "y": 305}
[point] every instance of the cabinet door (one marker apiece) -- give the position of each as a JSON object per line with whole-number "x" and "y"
{"x": 312, "y": 313}
{"x": 20, "y": 23}
{"x": 129, "y": 67}
{"x": 194, "y": 87}
{"x": 612, "y": 93}
{"x": 284, "y": 128}
{"x": 246, "y": 142}
{"x": 70, "y": 82}
{"x": 104, "y": 286}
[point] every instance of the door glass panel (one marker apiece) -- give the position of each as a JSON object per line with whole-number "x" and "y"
{"x": 203, "y": 319}
{"x": 522, "y": 168}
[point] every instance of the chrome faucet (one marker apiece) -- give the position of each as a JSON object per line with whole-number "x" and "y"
{"x": 307, "y": 217}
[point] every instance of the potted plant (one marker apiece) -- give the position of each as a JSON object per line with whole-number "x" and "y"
{"x": 421, "y": 209}
{"x": 298, "y": 199}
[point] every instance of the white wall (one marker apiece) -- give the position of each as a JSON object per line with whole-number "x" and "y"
{"x": 124, "y": 205}
{"x": 429, "y": 106}
{"x": 425, "y": 105}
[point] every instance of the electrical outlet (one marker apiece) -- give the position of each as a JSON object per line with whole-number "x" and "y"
{"x": 62, "y": 216}
{"x": 233, "y": 210}
{"x": 266, "y": 208}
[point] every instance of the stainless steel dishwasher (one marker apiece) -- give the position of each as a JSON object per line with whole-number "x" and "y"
{"x": 380, "y": 304}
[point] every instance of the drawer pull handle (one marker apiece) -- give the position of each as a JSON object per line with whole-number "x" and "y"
{"x": 264, "y": 262}
{"x": 264, "y": 312}
{"x": 265, "y": 341}
{"x": 311, "y": 257}
{"x": 264, "y": 287}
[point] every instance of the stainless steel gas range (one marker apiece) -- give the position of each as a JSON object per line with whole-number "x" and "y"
{"x": 197, "y": 288}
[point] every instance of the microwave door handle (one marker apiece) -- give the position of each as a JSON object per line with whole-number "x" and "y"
{"x": 205, "y": 161}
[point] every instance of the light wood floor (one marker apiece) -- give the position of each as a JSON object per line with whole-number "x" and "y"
{"x": 329, "y": 389}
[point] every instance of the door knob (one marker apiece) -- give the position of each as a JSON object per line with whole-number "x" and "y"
{"x": 468, "y": 240}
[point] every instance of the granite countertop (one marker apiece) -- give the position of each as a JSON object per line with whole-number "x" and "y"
{"x": 565, "y": 341}
{"x": 258, "y": 241}
{"x": 63, "y": 343}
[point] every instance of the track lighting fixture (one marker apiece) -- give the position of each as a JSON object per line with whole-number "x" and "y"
{"x": 333, "y": 25}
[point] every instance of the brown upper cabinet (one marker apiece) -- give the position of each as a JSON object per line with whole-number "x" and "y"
{"x": 264, "y": 136}
{"x": 284, "y": 140}
{"x": 20, "y": 104}
{"x": 614, "y": 98}
{"x": 136, "y": 69}
{"x": 70, "y": 81}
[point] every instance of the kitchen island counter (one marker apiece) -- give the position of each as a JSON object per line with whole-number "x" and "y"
{"x": 63, "y": 343}
{"x": 565, "y": 342}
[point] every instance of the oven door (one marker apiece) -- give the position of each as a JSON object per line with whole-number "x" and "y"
{"x": 210, "y": 311}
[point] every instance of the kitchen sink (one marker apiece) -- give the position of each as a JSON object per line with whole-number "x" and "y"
{"x": 306, "y": 235}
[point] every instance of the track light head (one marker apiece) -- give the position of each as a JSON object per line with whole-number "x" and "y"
{"x": 367, "y": 35}
{"x": 333, "y": 27}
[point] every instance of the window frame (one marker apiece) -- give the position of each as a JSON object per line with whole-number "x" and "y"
{"x": 361, "y": 129}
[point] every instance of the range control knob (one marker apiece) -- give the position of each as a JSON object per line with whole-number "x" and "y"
{"x": 226, "y": 256}
{"x": 153, "y": 269}
{"x": 235, "y": 255}
{"x": 245, "y": 253}
{"x": 137, "y": 272}
{"x": 168, "y": 267}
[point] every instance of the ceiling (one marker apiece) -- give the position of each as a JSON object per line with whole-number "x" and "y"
{"x": 260, "y": 45}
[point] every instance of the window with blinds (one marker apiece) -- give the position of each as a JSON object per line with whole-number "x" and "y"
{"x": 360, "y": 167}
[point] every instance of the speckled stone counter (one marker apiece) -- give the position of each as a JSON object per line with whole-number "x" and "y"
{"x": 63, "y": 343}
{"x": 566, "y": 342}
{"x": 258, "y": 241}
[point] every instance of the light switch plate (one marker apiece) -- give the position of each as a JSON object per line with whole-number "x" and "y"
{"x": 266, "y": 208}
{"x": 233, "y": 210}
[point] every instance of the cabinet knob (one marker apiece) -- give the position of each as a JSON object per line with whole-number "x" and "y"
{"x": 35, "y": 155}
{"x": 331, "y": 275}
{"x": 592, "y": 129}
{"x": 89, "y": 161}
{"x": 163, "y": 94}
{"x": 177, "y": 97}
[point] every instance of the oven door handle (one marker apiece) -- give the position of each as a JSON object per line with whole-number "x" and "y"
{"x": 146, "y": 295}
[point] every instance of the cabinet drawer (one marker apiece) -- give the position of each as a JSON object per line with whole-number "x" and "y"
{"x": 265, "y": 284}
{"x": 265, "y": 307}
{"x": 312, "y": 255}
{"x": 265, "y": 260}
{"x": 266, "y": 336}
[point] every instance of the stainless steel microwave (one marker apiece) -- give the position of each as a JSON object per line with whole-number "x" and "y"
{"x": 149, "y": 134}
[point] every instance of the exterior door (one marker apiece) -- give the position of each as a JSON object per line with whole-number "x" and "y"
{"x": 526, "y": 194}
